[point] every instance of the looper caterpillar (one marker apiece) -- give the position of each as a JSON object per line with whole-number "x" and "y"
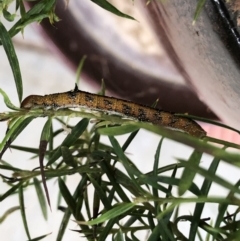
{"x": 111, "y": 105}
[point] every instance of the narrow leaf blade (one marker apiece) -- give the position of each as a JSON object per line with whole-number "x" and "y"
{"x": 42, "y": 150}
{"x": 114, "y": 212}
{"x": 22, "y": 208}
{"x": 188, "y": 175}
{"x": 109, "y": 7}
{"x": 12, "y": 58}
{"x": 41, "y": 197}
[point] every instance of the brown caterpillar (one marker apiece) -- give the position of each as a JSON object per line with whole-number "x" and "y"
{"x": 81, "y": 99}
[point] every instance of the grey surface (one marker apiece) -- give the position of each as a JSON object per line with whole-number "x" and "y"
{"x": 203, "y": 53}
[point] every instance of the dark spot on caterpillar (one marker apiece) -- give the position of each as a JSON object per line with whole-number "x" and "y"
{"x": 108, "y": 104}
{"x": 142, "y": 115}
{"x": 55, "y": 105}
{"x": 89, "y": 97}
{"x": 157, "y": 117}
{"x": 173, "y": 120}
{"x": 187, "y": 125}
{"x": 126, "y": 109}
{"x": 45, "y": 105}
{"x": 72, "y": 94}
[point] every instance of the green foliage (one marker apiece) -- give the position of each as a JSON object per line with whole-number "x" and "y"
{"x": 198, "y": 10}
{"x": 126, "y": 200}
{"x": 149, "y": 203}
{"x": 12, "y": 58}
{"x": 109, "y": 7}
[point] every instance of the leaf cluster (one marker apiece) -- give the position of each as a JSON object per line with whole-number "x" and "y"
{"x": 125, "y": 199}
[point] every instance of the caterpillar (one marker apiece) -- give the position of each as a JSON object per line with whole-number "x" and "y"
{"x": 111, "y": 105}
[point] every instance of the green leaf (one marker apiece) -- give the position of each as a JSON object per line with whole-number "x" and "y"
{"x": 210, "y": 121}
{"x": 8, "y": 16}
{"x": 22, "y": 208}
{"x": 34, "y": 18}
{"x": 107, "y": 229}
{"x": 21, "y": 127}
{"x": 100, "y": 193}
{"x": 214, "y": 178}
{"x": 222, "y": 209}
{"x": 44, "y": 6}
{"x": 69, "y": 199}
{"x": 96, "y": 199}
{"x": 10, "y": 191}
{"x": 22, "y": 8}
{"x": 61, "y": 172}
{"x": 103, "y": 88}
{"x": 64, "y": 224}
{"x": 67, "y": 157}
{"x": 156, "y": 158}
{"x": 114, "y": 212}
{"x": 128, "y": 165}
{"x": 7, "y": 166}
{"x": 12, "y": 58}
{"x": 77, "y": 195}
{"x": 7, "y": 101}
{"x": 13, "y": 130}
{"x": 199, "y": 206}
{"x": 79, "y": 69}
{"x": 109, "y": 7}
{"x": 107, "y": 169}
{"x": 155, "y": 169}
{"x": 129, "y": 140}
{"x": 154, "y": 180}
{"x": 15, "y": 133}
{"x": 70, "y": 139}
{"x": 40, "y": 237}
{"x": 188, "y": 175}
{"x": 198, "y": 10}
{"x": 151, "y": 180}
{"x": 26, "y": 149}
{"x": 117, "y": 130}
{"x": 154, "y": 236}
{"x": 165, "y": 231}
{"x": 151, "y": 220}
{"x": 87, "y": 204}
{"x": 40, "y": 10}
{"x": 119, "y": 236}
{"x": 134, "y": 238}
{"x": 41, "y": 197}
{"x": 8, "y": 212}
{"x": 45, "y": 136}
{"x": 198, "y": 144}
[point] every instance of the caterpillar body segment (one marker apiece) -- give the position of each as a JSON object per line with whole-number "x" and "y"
{"x": 111, "y": 105}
